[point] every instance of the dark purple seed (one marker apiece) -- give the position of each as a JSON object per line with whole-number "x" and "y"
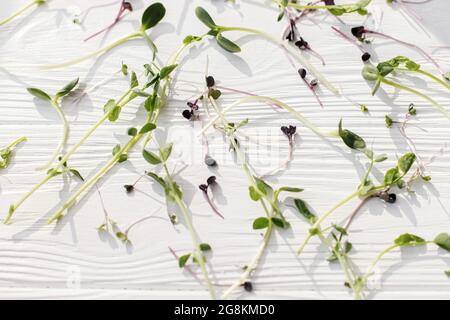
{"x": 329, "y": 2}
{"x": 203, "y": 187}
{"x": 285, "y": 130}
{"x": 190, "y": 104}
{"x": 302, "y": 73}
{"x": 127, "y": 6}
{"x": 366, "y": 56}
{"x": 292, "y": 130}
{"x": 128, "y": 188}
{"x": 211, "y": 180}
{"x": 210, "y": 81}
{"x": 187, "y": 114}
{"x": 210, "y": 162}
{"x": 313, "y": 83}
{"x": 392, "y": 198}
{"x": 248, "y": 286}
{"x": 358, "y": 31}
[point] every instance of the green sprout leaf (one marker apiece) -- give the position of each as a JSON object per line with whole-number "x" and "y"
{"x": 112, "y": 109}
{"x": 121, "y": 236}
{"x": 280, "y": 223}
{"x": 147, "y": 128}
{"x": 408, "y": 239}
{"x": 68, "y": 88}
{"x": 304, "y": 210}
{"x": 260, "y": 223}
{"x": 405, "y": 163}
{"x": 166, "y": 151}
{"x": 443, "y": 241}
{"x": 77, "y": 174}
{"x": 204, "y": 17}
{"x": 183, "y": 260}
{"x": 391, "y": 176}
{"x": 151, "y": 157}
{"x": 227, "y": 44}
{"x": 205, "y": 247}
{"x": 190, "y": 39}
{"x": 157, "y": 178}
{"x": 370, "y": 73}
{"x": 254, "y": 195}
{"x": 152, "y": 16}
{"x": 167, "y": 70}
{"x": 290, "y": 189}
{"x": 132, "y": 132}
{"x": 352, "y": 140}
{"x": 134, "y": 80}
{"x": 38, "y": 93}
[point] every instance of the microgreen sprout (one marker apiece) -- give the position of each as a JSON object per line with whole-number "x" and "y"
{"x": 175, "y": 194}
{"x": 378, "y": 75}
{"x": 311, "y": 85}
{"x": 261, "y": 192}
{"x": 360, "y": 33}
{"x": 129, "y": 188}
{"x": 210, "y": 182}
{"x": 124, "y": 7}
{"x": 38, "y": 93}
{"x": 112, "y": 111}
{"x": 217, "y": 32}
{"x": 23, "y": 10}
{"x": 7, "y": 153}
{"x": 150, "y": 18}
{"x": 337, "y": 10}
{"x": 405, "y": 240}
{"x": 290, "y": 133}
{"x": 393, "y": 177}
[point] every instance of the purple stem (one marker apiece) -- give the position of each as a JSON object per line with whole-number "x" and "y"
{"x": 186, "y": 266}
{"x": 346, "y": 37}
{"x": 314, "y": 92}
{"x": 211, "y": 204}
{"x": 424, "y": 53}
{"x": 116, "y": 20}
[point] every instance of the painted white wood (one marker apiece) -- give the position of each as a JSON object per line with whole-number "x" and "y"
{"x": 73, "y": 261}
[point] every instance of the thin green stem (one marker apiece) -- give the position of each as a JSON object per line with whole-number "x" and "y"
{"x": 293, "y": 51}
{"x": 402, "y": 87}
{"x": 95, "y": 53}
{"x": 16, "y": 142}
{"x": 427, "y": 74}
{"x": 272, "y": 101}
{"x": 126, "y": 98}
{"x": 130, "y": 144}
{"x": 362, "y": 282}
{"x": 194, "y": 236}
{"x": 19, "y": 12}
{"x": 64, "y": 137}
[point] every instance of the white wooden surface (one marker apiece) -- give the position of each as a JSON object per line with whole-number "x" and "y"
{"x": 74, "y": 261}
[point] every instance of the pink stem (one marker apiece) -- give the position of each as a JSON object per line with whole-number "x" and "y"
{"x": 211, "y": 204}
{"x": 424, "y": 53}
{"x": 346, "y": 37}
{"x": 314, "y": 92}
{"x": 185, "y": 267}
{"x": 116, "y": 20}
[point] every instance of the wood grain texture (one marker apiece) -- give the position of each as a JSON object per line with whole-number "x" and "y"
{"x": 73, "y": 261}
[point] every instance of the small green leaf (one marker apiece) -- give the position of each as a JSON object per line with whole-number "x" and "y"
{"x": 167, "y": 70}
{"x": 68, "y": 88}
{"x": 124, "y": 69}
{"x": 304, "y": 211}
{"x": 280, "y": 223}
{"x": 290, "y": 189}
{"x": 152, "y": 16}
{"x": 157, "y": 179}
{"x": 77, "y": 174}
{"x": 447, "y": 273}
{"x": 166, "y": 151}
{"x": 443, "y": 241}
{"x": 151, "y": 157}
{"x": 116, "y": 149}
{"x": 132, "y": 132}
{"x": 341, "y": 230}
{"x": 405, "y": 163}
{"x": 214, "y": 93}
{"x": 147, "y": 128}
{"x": 183, "y": 260}
{"x": 150, "y": 103}
{"x": 38, "y": 93}
{"x": 134, "y": 80}
{"x": 347, "y": 247}
{"x": 254, "y": 195}
{"x": 190, "y": 39}
{"x": 370, "y": 73}
{"x": 352, "y": 140}
{"x": 388, "y": 121}
{"x": 227, "y": 44}
{"x": 121, "y": 236}
{"x": 381, "y": 158}
{"x": 263, "y": 186}
{"x": 112, "y": 110}
{"x": 408, "y": 239}
{"x": 260, "y": 223}
{"x": 205, "y": 247}
{"x": 204, "y": 17}
{"x": 391, "y": 176}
